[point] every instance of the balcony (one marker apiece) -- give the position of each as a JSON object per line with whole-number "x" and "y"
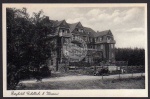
{"x": 106, "y": 41}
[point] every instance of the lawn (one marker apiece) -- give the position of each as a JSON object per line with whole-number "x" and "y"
{"x": 124, "y": 83}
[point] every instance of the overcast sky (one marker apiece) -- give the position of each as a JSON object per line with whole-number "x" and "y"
{"x": 126, "y": 23}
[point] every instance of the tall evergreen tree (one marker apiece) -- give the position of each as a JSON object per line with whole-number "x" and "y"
{"x": 134, "y": 56}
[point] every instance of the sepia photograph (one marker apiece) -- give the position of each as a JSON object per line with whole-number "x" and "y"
{"x": 72, "y": 50}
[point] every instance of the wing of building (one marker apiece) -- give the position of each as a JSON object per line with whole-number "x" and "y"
{"x": 100, "y": 44}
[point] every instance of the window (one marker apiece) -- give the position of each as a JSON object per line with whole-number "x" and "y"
{"x": 51, "y": 62}
{"x": 77, "y": 29}
{"x": 63, "y": 31}
{"x": 102, "y": 46}
{"x": 100, "y": 39}
{"x": 107, "y": 38}
{"x": 96, "y": 46}
{"x": 112, "y": 45}
{"x": 81, "y": 30}
{"x": 95, "y": 39}
{"x": 91, "y": 46}
{"x": 60, "y": 31}
{"x": 112, "y": 55}
{"x": 85, "y": 38}
{"x": 66, "y": 31}
{"x": 91, "y": 40}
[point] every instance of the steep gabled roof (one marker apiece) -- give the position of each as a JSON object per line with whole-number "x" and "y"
{"x": 102, "y": 33}
{"x": 73, "y": 26}
{"x": 89, "y": 31}
{"x": 56, "y": 22}
{"x": 64, "y": 24}
{"x": 78, "y": 25}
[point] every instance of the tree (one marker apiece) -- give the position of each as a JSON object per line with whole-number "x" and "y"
{"x": 135, "y": 57}
{"x": 26, "y": 44}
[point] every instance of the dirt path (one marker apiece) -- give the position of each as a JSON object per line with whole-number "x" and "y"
{"x": 83, "y": 77}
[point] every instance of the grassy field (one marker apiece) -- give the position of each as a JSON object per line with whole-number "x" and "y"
{"x": 126, "y": 83}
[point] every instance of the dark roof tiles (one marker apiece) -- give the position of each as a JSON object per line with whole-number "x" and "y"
{"x": 56, "y": 22}
{"x": 88, "y": 31}
{"x": 72, "y": 26}
{"x": 101, "y": 33}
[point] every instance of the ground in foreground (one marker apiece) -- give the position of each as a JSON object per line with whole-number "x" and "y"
{"x": 124, "y": 83}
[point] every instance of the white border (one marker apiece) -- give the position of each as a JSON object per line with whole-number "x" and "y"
{"x": 77, "y": 93}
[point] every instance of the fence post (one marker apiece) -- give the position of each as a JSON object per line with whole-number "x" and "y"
{"x": 141, "y": 70}
{"x": 132, "y": 71}
{"x": 119, "y": 71}
{"x": 102, "y": 74}
{"x": 127, "y": 69}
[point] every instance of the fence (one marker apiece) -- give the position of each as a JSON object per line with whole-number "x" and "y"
{"x": 112, "y": 70}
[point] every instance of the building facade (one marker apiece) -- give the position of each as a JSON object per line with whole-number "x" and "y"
{"x": 100, "y": 45}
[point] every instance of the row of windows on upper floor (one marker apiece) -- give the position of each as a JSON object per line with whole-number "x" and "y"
{"x": 97, "y": 39}
{"x": 66, "y": 40}
{"x": 100, "y": 46}
{"x": 67, "y": 30}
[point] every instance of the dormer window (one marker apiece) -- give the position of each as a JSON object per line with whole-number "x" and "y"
{"x": 82, "y": 30}
{"x": 100, "y": 39}
{"x": 95, "y": 39}
{"x": 108, "y": 38}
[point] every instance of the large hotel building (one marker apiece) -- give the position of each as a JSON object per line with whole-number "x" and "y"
{"x": 100, "y": 45}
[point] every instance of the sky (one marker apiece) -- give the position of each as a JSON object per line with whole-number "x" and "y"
{"x": 126, "y": 23}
